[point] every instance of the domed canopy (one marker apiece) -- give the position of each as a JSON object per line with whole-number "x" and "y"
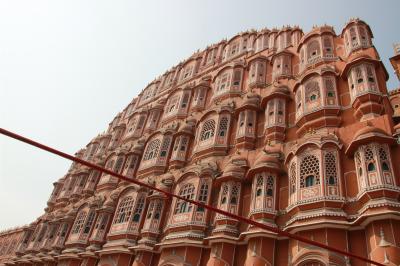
{"x": 267, "y": 160}
{"x": 234, "y": 169}
{"x": 251, "y": 101}
{"x": 369, "y": 134}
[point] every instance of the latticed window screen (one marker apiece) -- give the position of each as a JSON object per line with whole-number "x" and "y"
{"x": 79, "y": 222}
{"x": 359, "y": 76}
{"x": 270, "y": 185}
{"x": 208, "y": 130}
{"x": 369, "y": 155}
{"x": 152, "y": 149}
{"x": 124, "y": 210}
{"x": 327, "y": 45}
{"x": 330, "y": 87}
{"x": 384, "y": 160}
{"x": 234, "y": 194}
{"x": 141, "y": 122}
{"x": 118, "y": 164}
{"x": 223, "y": 126}
{"x": 313, "y": 49}
{"x": 312, "y": 91}
{"x": 132, "y": 162}
{"x": 330, "y": 168}
{"x": 370, "y": 74}
{"x": 89, "y": 222}
{"x": 223, "y": 82}
{"x": 259, "y": 185}
{"x": 157, "y": 211}
{"x": 185, "y": 100}
{"x": 165, "y": 146}
{"x": 382, "y": 154}
{"x": 203, "y": 194}
{"x": 309, "y": 167}
{"x": 184, "y": 143}
{"x": 237, "y": 76}
{"x": 150, "y": 210}
{"x": 138, "y": 209}
{"x": 186, "y": 192}
{"x": 292, "y": 173}
{"x": 224, "y": 193}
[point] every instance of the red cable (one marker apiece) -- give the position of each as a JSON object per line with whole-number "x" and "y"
{"x": 237, "y": 217}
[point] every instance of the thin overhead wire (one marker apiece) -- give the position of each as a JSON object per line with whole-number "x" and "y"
{"x": 169, "y": 194}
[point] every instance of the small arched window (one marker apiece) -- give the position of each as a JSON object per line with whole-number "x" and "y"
{"x": 330, "y": 168}
{"x": 385, "y": 166}
{"x": 80, "y": 219}
{"x": 186, "y": 192}
{"x": 203, "y": 195}
{"x": 371, "y": 167}
{"x": 223, "y": 126}
{"x": 309, "y": 171}
{"x": 208, "y": 130}
{"x": 118, "y": 164}
{"x": 259, "y": 185}
{"x": 89, "y": 222}
{"x": 138, "y": 209}
{"x": 224, "y": 194}
{"x": 313, "y": 49}
{"x": 270, "y": 186}
{"x": 234, "y": 194}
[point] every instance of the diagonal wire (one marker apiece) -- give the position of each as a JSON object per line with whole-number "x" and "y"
{"x": 169, "y": 194}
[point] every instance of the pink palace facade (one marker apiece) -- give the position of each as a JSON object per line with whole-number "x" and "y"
{"x": 293, "y": 130}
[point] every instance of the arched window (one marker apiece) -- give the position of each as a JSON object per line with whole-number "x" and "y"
{"x": 313, "y": 49}
{"x": 138, "y": 209}
{"x": 118, "y": 164}
{"x": 165, "y": 146}
{"x": 131, "y": 162}
{"x": 312, "y": 91}
{"x": 385, "y": 166}
{"x": 223, "y": 82}
{"x": 186, "y": 192}
{"x": 157, "y": 212}
{"x": 270, "y": 186}
{"x": 223, "y": 126}
{"x": 152, "y": 150}
{"x": 124, "y": 210}
{"x": 234, "y": 194}
{"x": 259, "y": 185}
{"x": 203, "y": 195}
{"x": 208, "y": 130}
{"x": 309, "y": 170}
{"x": 224, "y": 194}
{"x": 327, "y": 45}
{"x": 330, "y": 168}
{"x": 89, "y": 222}
{"x": 80, "y": 219}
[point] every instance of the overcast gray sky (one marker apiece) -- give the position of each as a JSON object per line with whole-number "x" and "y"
{"x": 68, "y": 67}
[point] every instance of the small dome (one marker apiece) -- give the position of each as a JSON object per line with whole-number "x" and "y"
{"x": 265, "y": 158}
{"x": 186, "y": 128}
{"x": 138, "y": 146}
{"x": 368, "y": 130}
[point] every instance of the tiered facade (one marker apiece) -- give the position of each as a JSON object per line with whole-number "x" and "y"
{"x": 290, "y": 129}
